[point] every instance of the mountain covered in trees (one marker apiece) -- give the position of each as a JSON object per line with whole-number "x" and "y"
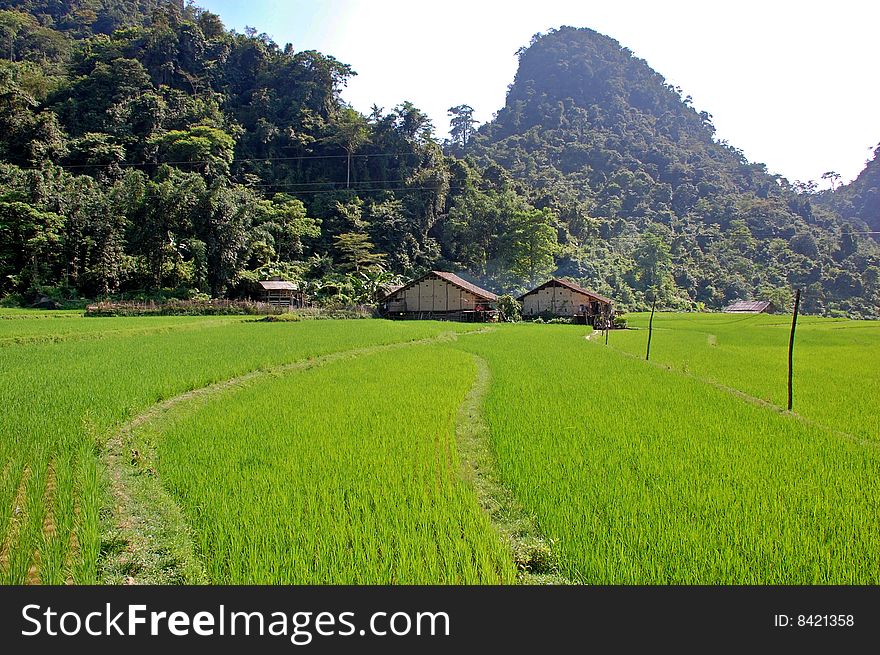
{"x": 147, "y": 150}
{"x": 648, "y": 201}
{"x": 859, "y": 201}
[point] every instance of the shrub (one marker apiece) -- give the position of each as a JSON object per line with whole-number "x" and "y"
{"x": 535, "y": 555}
{"x": 182, "y": 308}
{"x": 279, "y": 318}
{"x": 335, "y": 312}
{"x": 510, "y": 308}
{"x": 12, "y": 300}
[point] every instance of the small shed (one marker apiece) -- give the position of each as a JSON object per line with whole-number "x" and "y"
{"x": 280, "y": 293}
{"x": 751, "y": 307}
{"x": 560, "y": 298}
{"x": 441, "y": 295}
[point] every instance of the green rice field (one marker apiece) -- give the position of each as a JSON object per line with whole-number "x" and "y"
{"x": 222, "y": 450}
{"x": 836, "y": 361}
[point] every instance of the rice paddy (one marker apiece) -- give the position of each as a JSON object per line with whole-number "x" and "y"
{"x": 324, "y": 452}
{"x": 61, "y": 401}
{"x": 356, "y": 479}
{"x": 836, "y": 361}
{"x": 641, "y": 475}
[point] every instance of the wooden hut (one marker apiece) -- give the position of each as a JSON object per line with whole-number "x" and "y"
{"x": 280, "y": 293}
{"x": 441, "y": 295}
{"x": 559, "y": 298}
{"x": 751, "y": 307}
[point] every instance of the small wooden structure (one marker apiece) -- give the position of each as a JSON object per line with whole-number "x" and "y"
{"x": 280, "y": 293}
{"x": 751, "y": 307}
{"x": 560, "y": 298}
{"x": 442, "y": 296}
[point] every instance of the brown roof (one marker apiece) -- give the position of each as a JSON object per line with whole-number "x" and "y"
{"x": 748, "y": 307}
{"x": 276, "y": 285}
{"x": 572, "y": 286}
{"x": 454, "y": 280}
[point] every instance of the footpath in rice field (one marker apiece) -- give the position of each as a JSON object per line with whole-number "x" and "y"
{"x": 180, "y": 450}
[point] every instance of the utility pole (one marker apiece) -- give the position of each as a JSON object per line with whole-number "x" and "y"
{"x": 650, "y": 330}
{"x": 797, "y": 305}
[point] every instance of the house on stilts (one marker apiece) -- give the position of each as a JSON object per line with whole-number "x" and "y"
{"x": 560, "y": 298}
{"x": 280, "y": 293}
{"x": 440, "y": 295}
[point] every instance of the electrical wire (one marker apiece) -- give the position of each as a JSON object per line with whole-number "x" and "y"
{"x": 359, "y": 186}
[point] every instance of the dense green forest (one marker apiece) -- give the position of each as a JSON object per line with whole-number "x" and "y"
{"x": 147, "y": 150}
{"x": 648, "y": 200}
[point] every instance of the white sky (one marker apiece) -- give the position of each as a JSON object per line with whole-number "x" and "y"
{"x": 792, "y": 84}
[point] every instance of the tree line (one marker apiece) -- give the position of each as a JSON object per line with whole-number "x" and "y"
{"x": 147, "y": 150}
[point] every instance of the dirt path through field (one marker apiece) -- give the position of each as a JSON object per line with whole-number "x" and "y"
{"x": 531, "y": 552}
{"x": 147, "y": 539}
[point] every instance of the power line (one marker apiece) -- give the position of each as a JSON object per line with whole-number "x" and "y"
{"x": 297, "y": 184}
{"x": 234, "y": 161}
{"x": 758, "y": 234}
{"x": 421, "y": 188}
{"x": 359, "y": 187}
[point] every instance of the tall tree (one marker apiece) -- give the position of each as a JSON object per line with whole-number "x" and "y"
{"x": 351, "y": 131}
{"x": 534, "y": 245}
{"x": 201, "y": 147}
{"x": 462, "y": 126}
{"x": 357, "y": 252}
{"x": 30, "y": 242}
{"x": 226, "y": 220}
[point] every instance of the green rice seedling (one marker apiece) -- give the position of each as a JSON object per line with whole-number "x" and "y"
{"x": 26, "y": 526}
{"x": 87, "y": 526}
{"x": 58, "y": 525}
{"x": 10, "y": 479}
{"x": 836, "y": 361}
{"x": 642, "y": 475}
{"x": 63, "y": 398}
{"x": 344, "y": 474}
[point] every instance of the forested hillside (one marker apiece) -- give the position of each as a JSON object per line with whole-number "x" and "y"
{"x": 649, "y": 201}
{"x": 859, "y": 201}
{"x": 146, "y": 150}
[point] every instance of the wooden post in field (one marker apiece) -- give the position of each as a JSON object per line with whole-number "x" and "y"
{"x": 797, "y": 305}
{"x": 606, "y": 334}
{"x": 650, "y": 330}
